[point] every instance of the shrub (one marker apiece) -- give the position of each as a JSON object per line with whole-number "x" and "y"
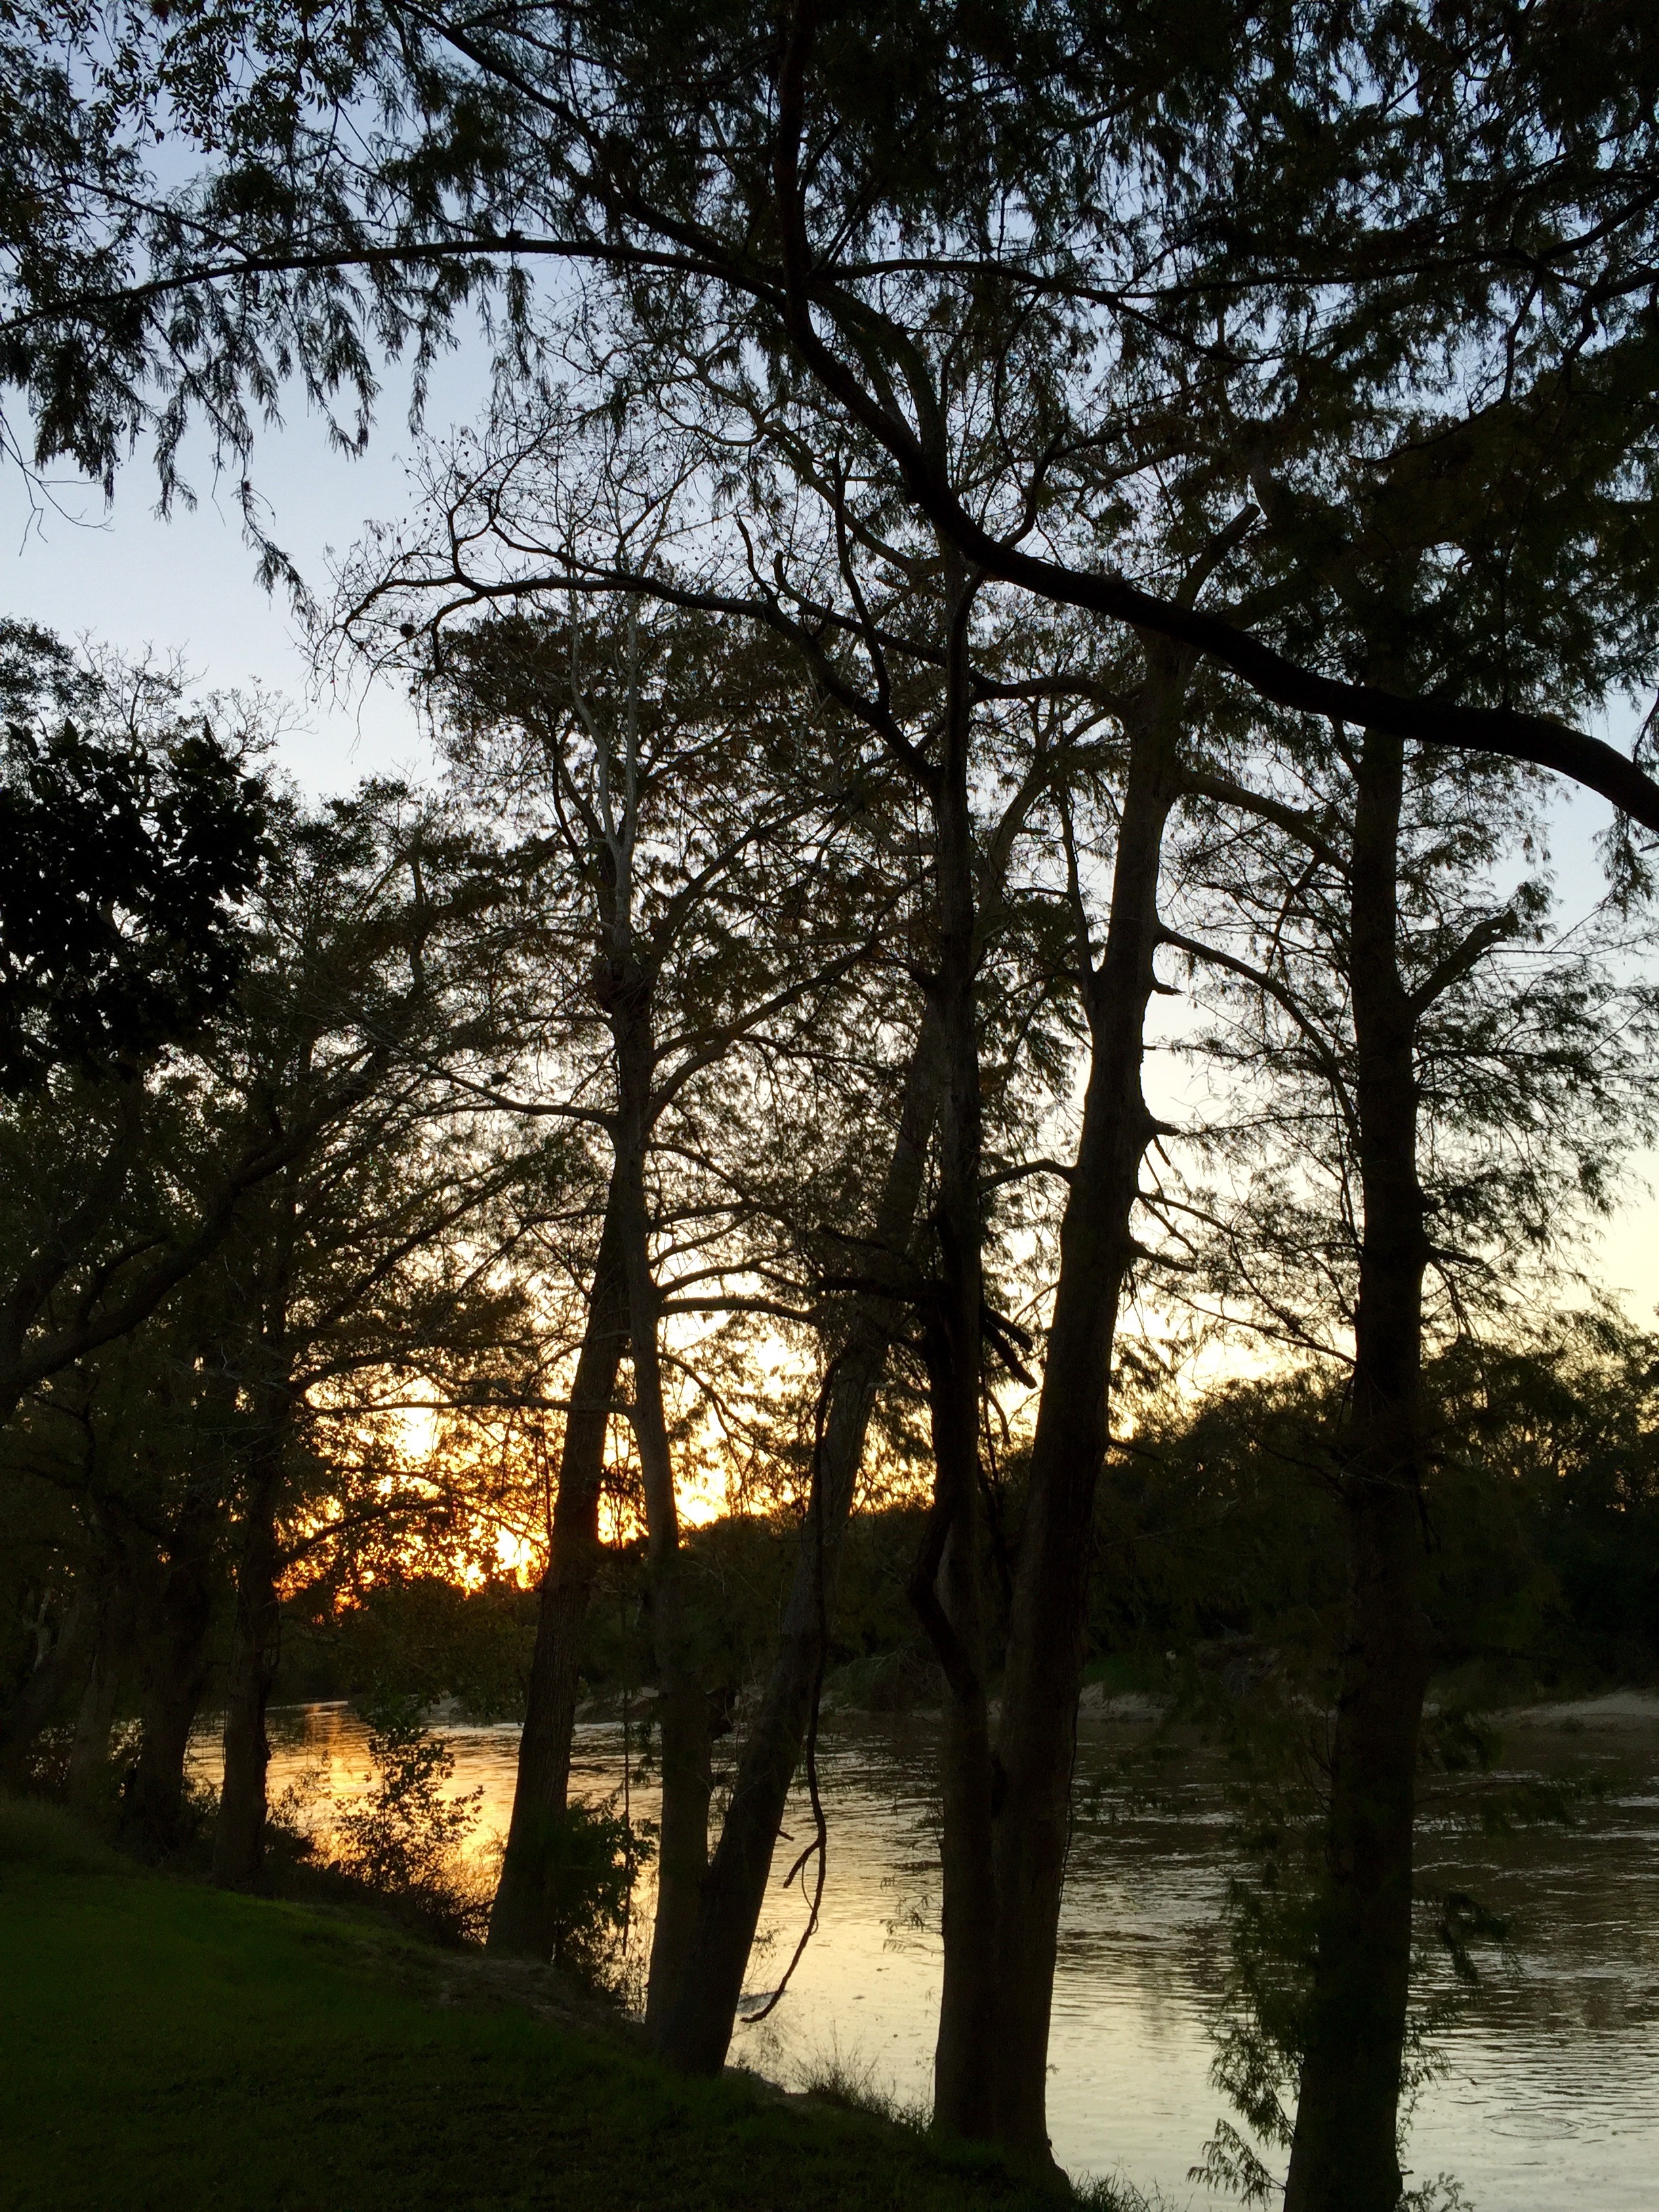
{"x": 593, "y": 1858}
{"x": 402, "y": 1838}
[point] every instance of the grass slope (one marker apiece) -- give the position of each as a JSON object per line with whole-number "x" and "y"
{"x": 165, "y": 2045}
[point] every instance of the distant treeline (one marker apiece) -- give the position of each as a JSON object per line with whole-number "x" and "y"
{"x": 1219, "y": 1553}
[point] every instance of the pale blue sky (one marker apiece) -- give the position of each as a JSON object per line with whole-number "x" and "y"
{"x": 133, "y": 580}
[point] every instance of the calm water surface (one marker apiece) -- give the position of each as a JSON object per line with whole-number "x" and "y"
{"x": 1550, "y": 2095}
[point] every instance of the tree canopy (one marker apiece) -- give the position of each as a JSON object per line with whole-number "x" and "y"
{"x": 994, "y": 659}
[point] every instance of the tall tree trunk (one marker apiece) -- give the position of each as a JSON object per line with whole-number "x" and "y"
{"x": 682, "y": 1702}
{"x": 1044, "y": 1670}
{"x": 59, "y": 1666}
{"x": 947, "y": 1588}
{"x": 89, "y": 1760}
{"x": 239, "y": 1840}
{"x": 521, "y": 1918}
{"x": 176, "y": 1665}
{"x": 1344, "y": 2152}
{"x": 964, "y": 2057}
{"x": 696, "y": 2030}
{"x": 49, "y": 1683}
{"x": 682, "y": 1722}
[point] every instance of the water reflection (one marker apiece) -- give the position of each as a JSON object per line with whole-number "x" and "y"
{"x": 1549, "y": 2096}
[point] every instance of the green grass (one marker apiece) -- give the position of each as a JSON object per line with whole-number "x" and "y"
{"x": 165, "y": 2045}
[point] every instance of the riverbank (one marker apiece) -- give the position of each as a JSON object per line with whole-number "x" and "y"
{"x": 1613, "y": 1709}
{"x": 165, "y": 2046}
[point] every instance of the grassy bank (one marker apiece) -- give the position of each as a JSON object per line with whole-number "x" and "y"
{"x": 164, "y": 2045}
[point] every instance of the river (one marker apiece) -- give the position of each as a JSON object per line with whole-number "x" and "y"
{"x": 1547, "y": 2094}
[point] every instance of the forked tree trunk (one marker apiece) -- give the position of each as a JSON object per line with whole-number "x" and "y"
{"x": 697, "y": 2031}
{"x": 256, "y": 1650}
{"x": 521, "y": 1918}
{"x": 1343, "y": 2157}
{"x": 175, "y": 1664}
{"x": 1043, "y": 1671}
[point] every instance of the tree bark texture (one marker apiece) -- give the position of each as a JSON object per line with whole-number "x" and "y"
{"x": 88, "y": 1759}
{"x": 175, "y": 1664}
{"x": 256, "y": 1649}
{"x": 1344, "y": 2152}
{"x": 522, "y": 1918}
{"x": 682, "y": 1703}
{"x": 946, "y": 1587}
{"x": 697, "y": 2029}
{"x": 72, "y": 1660}
{"x": 91, "y": 1779}
{"x": 1043, "y": 1674}
{"x": 48, "y": 1683}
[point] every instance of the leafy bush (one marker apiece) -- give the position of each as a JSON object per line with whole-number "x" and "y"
{"x": 593, "y": 1858}
{"x": 45, "y": 1770}
{"x": 402, "y": 1838}
{"x": 45, "y": 1774}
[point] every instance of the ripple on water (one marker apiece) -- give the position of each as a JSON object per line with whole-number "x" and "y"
{"x": 1546, "y": 2097}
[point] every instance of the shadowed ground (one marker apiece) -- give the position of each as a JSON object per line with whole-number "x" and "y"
{"x": 165, "y": 2045}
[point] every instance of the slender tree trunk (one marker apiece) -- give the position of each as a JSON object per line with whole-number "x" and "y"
{"x": 52, "y": 1680}
{"x": 88, "y": 1761}
{"x": 255, "y": 1648}
{"x": 682, "y": 1702}
{"x": 682, "y": 1722}
{"x": 521, "y": 1919}
{"x": 59, "y": 1666}
{"x": 696, "y": 2031}
{"x": 1344, "y": 2152}
{"x": 964, "y": 2057}
{"x": 1043, "y": 1671}
{"x": 946, "y": 1587}
{"x": 176, "y": 1665}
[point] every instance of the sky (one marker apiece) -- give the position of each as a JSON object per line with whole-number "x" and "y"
{"x": 131, "y": 580}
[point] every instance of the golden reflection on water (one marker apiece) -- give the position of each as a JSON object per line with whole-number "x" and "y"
{"x": 1548, "y": 2096}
